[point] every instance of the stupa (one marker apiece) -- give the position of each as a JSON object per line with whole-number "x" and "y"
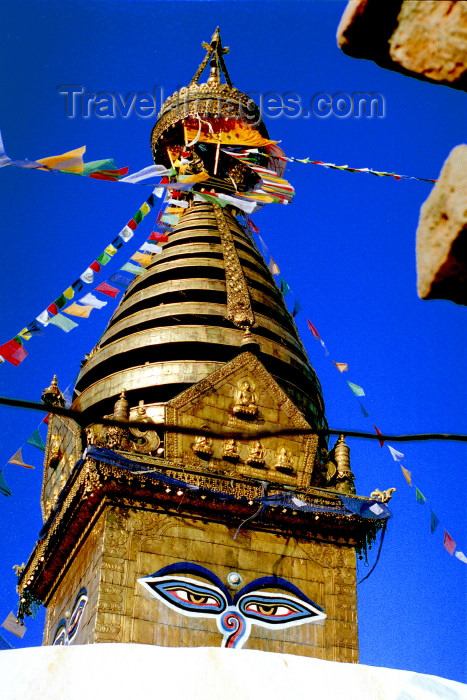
{"x": 211, "y": 522}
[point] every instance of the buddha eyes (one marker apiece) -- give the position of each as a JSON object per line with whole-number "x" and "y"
{"x": 186, "y": 595}
{"x": 283, "y": 607}
{"x": 75, "y": 618}
{"x": 60, "y": 635}
{"x": 277, "y": 609}
{"x": 270, "y": 610}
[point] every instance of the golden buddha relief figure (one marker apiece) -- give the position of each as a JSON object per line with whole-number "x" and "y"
{"x": 230, "y": 450}
{"x": 246, "y": 404}
{"x": 256, "y": 455}
{"x": 283, "y": 461}
{"x": 202, "y": 445}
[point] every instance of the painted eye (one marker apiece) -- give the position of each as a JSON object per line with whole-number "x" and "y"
{"x": 276, "y": 609}
{"x": 186, "y": 595}
{"x": 60, "y": 638}
{"x": 270, "y": 610}
{"x": 76, "y": 616}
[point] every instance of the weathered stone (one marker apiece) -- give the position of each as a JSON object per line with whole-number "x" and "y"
{"x": 426, "y": 39}
{"x": 431, "y": 39}
{"x": 442, "y": 234}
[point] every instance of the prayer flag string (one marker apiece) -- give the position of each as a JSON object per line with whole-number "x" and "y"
{"x": 273, "y": 188}
{"x": 448, "y": 542}
{"x": 14, "y": 352}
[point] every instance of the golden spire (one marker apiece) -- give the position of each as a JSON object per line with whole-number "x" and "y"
{"x": 215, "y": 52}
{"x": 52, "y": 395}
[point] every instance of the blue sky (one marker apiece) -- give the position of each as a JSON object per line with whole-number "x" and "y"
{"x": 346, "y": 246}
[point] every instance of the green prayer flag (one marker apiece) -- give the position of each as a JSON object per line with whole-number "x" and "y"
{"x": 355, "y": 389}
{"x": 92, "y": 166}
{"x": 214, "y": 200}
{"x": 3, "y": 485}
{"x": 133, "y": 269}
{"x": 364, "y": 411}
{"x": 103, "y": 258}
{"x": 138, "y": 217}
{"x": 419, "y": 496}
{"x": 61, "y": 301}
{"x": 285, "y": 289}
{"x": 63, "y": 322}
{"x": 36, "y": 440}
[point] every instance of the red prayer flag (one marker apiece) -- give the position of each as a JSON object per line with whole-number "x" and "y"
{"x": 46, "y": 419}
{"x": 252, "y": 226}
{"x": 95, "y": 266}
{"x": 53, "y": 309}
{"x": 13, "y": 352}
{"x": 378, "y": 432}
{"x": 313, "y": 330}
{"x": 107, "y": 289}
{"x": 449, "y": 543}
{"x": 109, "y": 174}
{"x": 162, "y": 237}
{"x": 18, "y": 356}
{"x": 132, "y": 224}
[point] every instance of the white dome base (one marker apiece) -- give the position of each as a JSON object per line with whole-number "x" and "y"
{"x": 137, "y": 671}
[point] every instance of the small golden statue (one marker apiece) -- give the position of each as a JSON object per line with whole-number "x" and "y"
{"x": 144, "y": 441}
{"x": 283, "y": 461}
{"x": 230, "y": 450}
{"x": 382, "y": 496}
{"x": 245, "y": 400}
{"x": 54, "y": 454}
{"x": 256, "y": 456}
{"x": 202, "y": 445}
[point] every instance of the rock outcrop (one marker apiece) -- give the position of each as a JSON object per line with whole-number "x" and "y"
{"x": 426, "y": 39}
{"x": 442, "y": 234}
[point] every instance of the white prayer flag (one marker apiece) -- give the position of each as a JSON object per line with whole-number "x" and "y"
{"x": 146, "y": 173}
{"x": 12, "y": 625}
{"x": 151, "y": 248}
{"x": 43, "y": 318}
{"x": 87, "y": 276}
{"x": 91, "y": 300}
{"x": 396, "y": 455}
{"x": 376, "y": 509}
{"x": 126, "y": 233}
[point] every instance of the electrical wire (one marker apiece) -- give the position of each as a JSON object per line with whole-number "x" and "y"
{"x": 226, "y": 434}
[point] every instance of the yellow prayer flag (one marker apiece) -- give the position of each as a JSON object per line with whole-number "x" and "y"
{"x": 25, "y": 333}
{"x": 69, "y": 293}
{"x": 143, "y": 258}
{"x": 199, "y": 177}
{"x": 273, "y": 267}
{"x": 18, "y": 459}
{"x": 240, "y": 134}
{"x": 72, "y": 161}
{"x": 407, "y": 475}
{"x": 78, "y": 310}
{"x": 145, "y": 208}
{"x": 110, "y": 250}
{"x": 257, "y": 197}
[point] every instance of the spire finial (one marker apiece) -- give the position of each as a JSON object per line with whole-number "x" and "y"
{"x": 215, "y": 52}
{"x": 52, "y": 395}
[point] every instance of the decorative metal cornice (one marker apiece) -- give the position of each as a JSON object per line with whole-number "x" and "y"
{"x": 96, "y": 483}
{"x": 239, "y": 308}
